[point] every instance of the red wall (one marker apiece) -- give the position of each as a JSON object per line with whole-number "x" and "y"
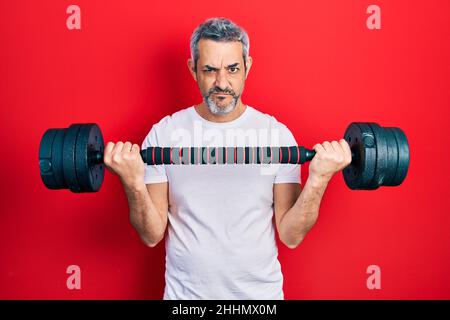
{"x": 316, "y": 68}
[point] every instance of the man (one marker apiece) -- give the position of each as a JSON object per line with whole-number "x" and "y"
{"x": 220, "y": 240}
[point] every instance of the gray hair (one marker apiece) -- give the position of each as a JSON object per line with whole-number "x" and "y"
{"x": 219, "y": 29}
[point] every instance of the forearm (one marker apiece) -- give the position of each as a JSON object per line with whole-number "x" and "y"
{"x": 298, "y": 220}
{"x": 144, "y": 216}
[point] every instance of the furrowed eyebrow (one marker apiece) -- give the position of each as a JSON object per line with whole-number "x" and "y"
{"x": 229, "y": 66}
{"x": 209, "y": 67}
{"x": 234, "y": 65}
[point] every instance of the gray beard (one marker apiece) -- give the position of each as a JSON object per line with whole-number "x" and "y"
{"x": 215, "y": 109}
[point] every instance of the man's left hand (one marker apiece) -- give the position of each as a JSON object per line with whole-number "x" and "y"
{"x": 331, "y": 157}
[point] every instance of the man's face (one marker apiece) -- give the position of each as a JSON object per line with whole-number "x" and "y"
{"x": 220, "y": 74}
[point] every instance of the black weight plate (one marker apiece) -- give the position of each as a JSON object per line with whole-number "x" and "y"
{"x": 360, "y": 172}
{"x": 352, "y": 173}
{"x": 392, "y": 164}
{"x": 57, "y": 158}
{"x": 382, "y": 156}
{"x": 403, "y": 157}
{"x": 89, "y": 173}
{"x": 81, "y": 158}
{"x": 97, "y": 170}
{"x": 69, "y": 169}
{"x": 45, "y": 159}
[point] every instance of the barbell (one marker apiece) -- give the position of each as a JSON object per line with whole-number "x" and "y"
{"x": 72, "y": 158}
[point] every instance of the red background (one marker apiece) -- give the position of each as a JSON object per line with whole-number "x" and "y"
{"x": 317, "y": 67}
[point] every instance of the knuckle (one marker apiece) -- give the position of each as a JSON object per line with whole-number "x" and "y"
{"x": 116, "y": 158}
{"x": 128, "y": 156}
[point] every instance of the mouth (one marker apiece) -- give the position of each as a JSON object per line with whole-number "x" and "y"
{"x": 221, "y": 96}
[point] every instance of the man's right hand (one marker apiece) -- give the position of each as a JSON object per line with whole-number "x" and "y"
{"x": 124, "y": 160}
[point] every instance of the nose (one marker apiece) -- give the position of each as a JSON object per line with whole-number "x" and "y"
{"x": 221, "y": 80}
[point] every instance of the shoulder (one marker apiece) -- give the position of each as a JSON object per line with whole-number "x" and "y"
{"x": 167, "y": 124}
{"x": 174, "y": 119}
{"x": 270, "y": 120}
{"x": 278, "y": 128}
{"x": 279, "y": 131}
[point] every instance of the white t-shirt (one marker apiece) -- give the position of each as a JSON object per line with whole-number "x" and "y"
{"x": 220, "y": 241}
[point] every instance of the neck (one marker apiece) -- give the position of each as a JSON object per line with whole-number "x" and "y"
{"x": 203, "y": 110}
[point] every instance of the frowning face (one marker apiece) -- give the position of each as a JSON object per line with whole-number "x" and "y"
{"x": 220, "y": 73}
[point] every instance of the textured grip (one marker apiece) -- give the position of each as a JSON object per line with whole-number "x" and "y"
{"x": 226, "y": 155}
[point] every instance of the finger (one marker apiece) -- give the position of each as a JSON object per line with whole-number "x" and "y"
{"x": 318, "y": 148}
{"x": 127, "y": 147}
{"x": 118, "y": 147}
{"x": 346, "y": 147}
{"x": 135, "y": 148}
{"x": 327, "y": 146}
{"x": 109, "y": 147}
{"x": 337, "y": 147}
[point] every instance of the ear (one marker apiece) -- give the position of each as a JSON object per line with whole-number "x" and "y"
{"x": 191, "y": 67}
{"x": 248, "y": 64}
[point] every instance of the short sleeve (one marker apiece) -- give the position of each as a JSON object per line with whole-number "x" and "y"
{"x": 287, "y": 173}
{"x": 153, "y": 173}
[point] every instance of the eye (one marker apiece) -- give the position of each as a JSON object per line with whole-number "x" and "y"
{"x": 233, "y": 69}
{"x": 209, "y": 70}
